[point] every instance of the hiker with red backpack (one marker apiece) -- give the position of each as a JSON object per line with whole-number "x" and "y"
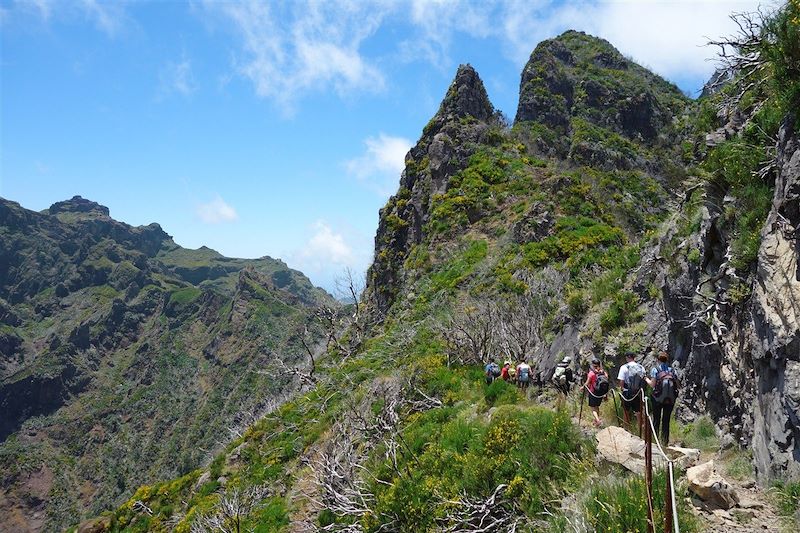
{"x": 597, "y": 386}
{"x": 664, "y": 382}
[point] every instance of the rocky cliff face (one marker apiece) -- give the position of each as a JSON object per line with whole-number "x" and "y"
{"x": 776, "y": 323}
{"x": 733, "y": 329}
{"x": 125, "y": 358}
{"x": 462, "y": 122}
{"x": 579, "y": 76}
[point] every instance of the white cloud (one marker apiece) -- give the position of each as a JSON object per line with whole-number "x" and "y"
{"x": 326, "y": 248}
{"x": 216, "y": 211}
{"x": 380, "y": 165}
{"x": 177, "y": 78}
{"x": 666, "y": 36}
{"x": 108, "y": 17}
{"x": 438, "y": 21}
{"x": 328, "y": 251}
{"x": 297, "y": 47}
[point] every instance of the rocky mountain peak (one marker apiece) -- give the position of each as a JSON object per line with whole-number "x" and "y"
{"x": 464, "y": 119}
{"x": 578, "y": 76}
{"x": 78, "y": 204}
{"x": 466, "y": 96}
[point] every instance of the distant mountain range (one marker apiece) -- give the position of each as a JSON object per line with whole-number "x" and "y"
{"x": 125, "y": 358}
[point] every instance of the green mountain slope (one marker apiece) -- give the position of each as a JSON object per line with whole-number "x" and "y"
{"x": 126, "y": 358}
{"x": 614, "y": 215}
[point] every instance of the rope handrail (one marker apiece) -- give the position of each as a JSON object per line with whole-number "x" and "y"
{"x": 670, "y": 470}
{"x": 593, "y": 395}
{"x": 663, "y": 454}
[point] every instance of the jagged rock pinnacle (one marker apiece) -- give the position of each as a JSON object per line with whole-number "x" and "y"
{"x": 466, "y": 96}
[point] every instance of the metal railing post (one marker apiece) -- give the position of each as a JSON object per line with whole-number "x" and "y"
{"x": 668, "y": 501}
{"x": 648, "y": 474}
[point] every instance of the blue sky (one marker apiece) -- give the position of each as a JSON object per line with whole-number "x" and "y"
{"x": 276, "y": 128}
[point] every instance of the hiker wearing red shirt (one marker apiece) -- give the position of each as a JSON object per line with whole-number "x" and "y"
{"x": 504, "y": 371}
{"x": 597, "y": 387}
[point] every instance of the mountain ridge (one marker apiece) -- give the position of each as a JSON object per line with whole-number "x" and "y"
{"x": 611, "y": 222}
{"x": 116, "y": 332}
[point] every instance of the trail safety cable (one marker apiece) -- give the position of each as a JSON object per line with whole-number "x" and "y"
{"x": 669, "y": 463}
{"x": 670, "y": 472}
{"x": 593, "y": 395}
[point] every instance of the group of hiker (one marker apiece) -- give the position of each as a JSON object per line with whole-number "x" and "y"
{"x": 633, "y": 381}
{"x": 521, "y": 374}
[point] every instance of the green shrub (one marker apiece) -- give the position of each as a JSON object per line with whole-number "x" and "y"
{"x": 623, "y": 310}
{"x": 501, "y": 393}
{"x": 185, "y": 295}
{"x": 576, "y": 303}
{"x": 617, "y": 505}
{"x": 531, "y": 450}
{"x": 700, "y": 434}
{"x": 739, "y": 464}
{"x": 457, "y": 269}
{"x": 788, "y": 498}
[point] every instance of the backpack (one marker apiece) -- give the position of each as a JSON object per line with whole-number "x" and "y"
{"x": 560, "y": 375}
{"x": 600, "y": 384}
{"x": 666, "y": 389}
{"x": 523, "y": 373}
{"x": 493, "y": 370}
{"x": 633, "y": 384}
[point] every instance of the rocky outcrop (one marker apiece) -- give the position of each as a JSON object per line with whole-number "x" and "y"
{"x": 462, "y": 122}
{"x": 78, "y": 204}
{"x": 616, "y": 445}
{"x": 776, "y": 323}
{"x": 710, "y": 487}
{"x": 577, "y": 76}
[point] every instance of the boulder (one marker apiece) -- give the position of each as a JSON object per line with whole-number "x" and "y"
{"x": 616, "y": 445}
{"x": 683, "y": 458}
{"x": 710, "y": 487}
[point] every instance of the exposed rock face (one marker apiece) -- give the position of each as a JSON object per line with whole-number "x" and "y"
{"x": 462, "y": 121}
{"x": 577, "y": 75}
{"x": 710, "y": 487}
{"x": 616, "y": 445}
{"x": 741, "y": 360}
{"x": 78, "y": 205}
{"x": 776, "y": 323}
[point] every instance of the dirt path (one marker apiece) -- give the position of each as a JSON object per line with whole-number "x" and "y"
{"x": 755, "y": 513}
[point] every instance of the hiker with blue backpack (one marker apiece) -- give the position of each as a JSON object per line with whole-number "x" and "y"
{"x": 597, "y": 386}
{"x": 664, "y": 382}
{"x": 492, "y": 371}
{"x": 631, "y": 380}
{"x": 523, "y": 375}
